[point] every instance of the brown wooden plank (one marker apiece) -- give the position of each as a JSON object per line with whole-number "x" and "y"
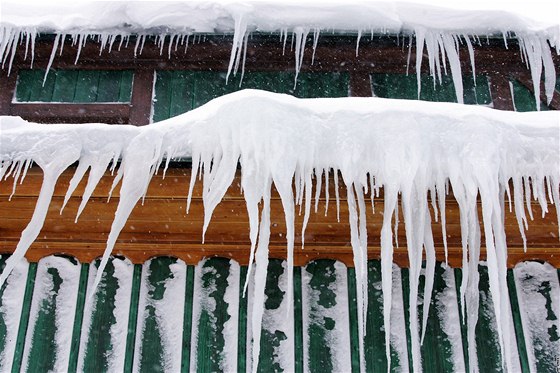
{"x": 72, "y": 113}
{"x": 141, "y": 101}
{"x": 160, "y": 226}
{"x": 500, "y": 91}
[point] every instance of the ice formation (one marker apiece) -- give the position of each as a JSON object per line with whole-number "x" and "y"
{"x": 411, "y": 151}
{"x": 441, "y": 30}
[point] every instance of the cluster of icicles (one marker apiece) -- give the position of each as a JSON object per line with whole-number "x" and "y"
{"x": 442, "y": 48}
{"x": 414, "y": 152}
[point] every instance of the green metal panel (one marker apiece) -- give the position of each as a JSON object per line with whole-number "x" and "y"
{"x": 212, "y": 312}
{"x": 65, "y": 85}
{"x": 438, "y": 353}
{"x": 108, "y": 88}
{"x": 538, "y": 290}
{"x": 133, "y": 318}
{"x": 11, "y": 306}
{"x": 74, "y": 86}
{"x": 517, "y": 322}
{"x": 524, "y": 99}
{"x": 42, "y": 91}
{"x": 325, "y": 316}
{"x": 53, "y": 304}
{"x": 403, "y": 86}
{"x": 353, "y": 318}
{"x": 242, "y": 324}
{"x": 24, "y": 319}
{"x": 187, "y": 320}
{"x": 26, "y": 81}
{"x": 487, "y": 344}
{"x": 162, "y": 289}
{"x": 376, "y": 360}
{"x": 274, "y": 336}
{"x": 298, "y": 315}
{"x": 464, "y": 317}
{"x": 78, "y": 317}
{"x": 98, "y": 349}
{"x": 177, "y": 92}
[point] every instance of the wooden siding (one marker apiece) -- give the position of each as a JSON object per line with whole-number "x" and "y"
{"x": 161, "y": 227}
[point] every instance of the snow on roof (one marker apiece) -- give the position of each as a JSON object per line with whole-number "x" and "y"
{"x": 478, "y": 17}
{"x": 440, "y": 26}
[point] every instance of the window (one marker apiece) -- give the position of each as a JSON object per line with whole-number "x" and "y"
{"x": 74, "y": 86}
{"x": 406, "y": 87}
{"x": 177, "y": 92}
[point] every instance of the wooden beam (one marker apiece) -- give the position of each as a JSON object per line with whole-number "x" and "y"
{"x": 500, "y": 91}
{"x": 141, "y": 101}
{"x": 72, "y": 113}
{"x": 161, "y": 227}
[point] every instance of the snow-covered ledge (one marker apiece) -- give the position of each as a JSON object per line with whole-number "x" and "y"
{"x": 414, "y": 150}
{"x": 441, "y": 27}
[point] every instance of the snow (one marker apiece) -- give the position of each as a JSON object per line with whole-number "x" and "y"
{"x": 408, "y": 148}
{"x": 539, "y": 315}
{"x": 448, "y": 314}
{"x": 315, "y": 312}
{"x": 10, "y": 312}
{"x": 442, "y": 27}
{"x": 167, "y": 313}
{"x": 116, "y": 355}
{"x": 204, "y": 300}
{"x": 63, "y": 296}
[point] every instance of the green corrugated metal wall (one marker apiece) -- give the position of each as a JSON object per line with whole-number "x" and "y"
{"x": 168, "y": 334}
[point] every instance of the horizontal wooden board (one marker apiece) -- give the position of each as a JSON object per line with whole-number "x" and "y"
{"x": 161, "y": 227}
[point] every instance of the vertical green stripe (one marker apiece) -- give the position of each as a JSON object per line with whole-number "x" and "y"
{"x": 517, "y": 323}
{"x": 131, "y": 337}
{"x": 24, "y": 320}
{"x": 86, "y": 86}
{"x": 187, "y": 320}
{"x": 437, "y": 351}
{"x": 271, "y": 340}
{"x": 406, "y": 302}
{"x": 108, "y": 86}
{"x": 211, "y": 341}
{"x": 125, "y": 88}
{"x": 65, "y": 86}
{"x": 487, "y": 344}
{"x": 242, "y": 324}
{"x": 353, "y": 316}
{"x": 74, "y": 349}
{"x": 298, "y": 323}
{"x": 463, "y": 319}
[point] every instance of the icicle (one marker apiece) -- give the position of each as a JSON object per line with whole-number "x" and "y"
{"x": 358, "y": 41}
{"x": 301, "y": 37}
{"x": 420, "y": 38}
{"x": 391, "y": 201}
{"x": 260, "y": 277}
{"x": 455, "y": 65}
{"x": 315, "y": 41}
{"x": 53, "y": 53}
{"x": 238, "y": 37}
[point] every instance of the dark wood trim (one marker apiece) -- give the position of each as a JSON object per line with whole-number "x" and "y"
{"x": 142, "y": 93}
{"x": 360, "y": 85}
{"x": 72, "y": 113}
{"x": 7, "y": 89}
{"x": 500, "y": 91}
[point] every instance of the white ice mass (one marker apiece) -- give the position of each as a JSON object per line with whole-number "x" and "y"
{"x": 408, "y": 150}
